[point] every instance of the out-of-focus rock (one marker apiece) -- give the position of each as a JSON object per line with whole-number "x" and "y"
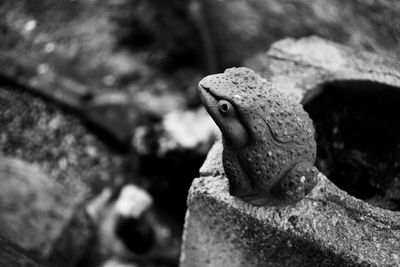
{"x": 32, "y": 203}
{"x": 72, "y": 38}
{"x": 115, "y": 113}
{"x": 56, "y": 141}
{"x": 177, "y": 145}
{"x": 118, "y": 263}
{"x": 241, "y": 28}
{"x": 132, "y": 203}
{"x": 73, "y": 53}
{"x": 56, "y": 165}
{"x": 130, "y": 230}
{"x": 66, "y": 52}
{"x": 12, "y": 255}
{"x": 190, "y": 130}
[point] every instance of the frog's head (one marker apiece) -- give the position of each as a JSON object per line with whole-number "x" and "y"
{"x": 231, "y": 98}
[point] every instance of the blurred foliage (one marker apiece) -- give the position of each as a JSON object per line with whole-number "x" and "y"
{"x": 162, "y": 28}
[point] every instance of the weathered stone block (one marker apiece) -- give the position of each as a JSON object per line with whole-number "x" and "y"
{"x": 327, "y": 228}
{"x": 299, "y": 67}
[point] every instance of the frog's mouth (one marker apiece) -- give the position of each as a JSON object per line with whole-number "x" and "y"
{"x": 210, "y": 102}
{"x": 233, "y": 130}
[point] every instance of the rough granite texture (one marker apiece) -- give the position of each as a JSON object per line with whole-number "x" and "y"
{"x": 328, "y": 227}
{"x": 297, "y": 67}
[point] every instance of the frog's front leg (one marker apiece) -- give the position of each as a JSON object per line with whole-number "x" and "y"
{"x": 296, "y": 183}
{"x": 239, "y": 183}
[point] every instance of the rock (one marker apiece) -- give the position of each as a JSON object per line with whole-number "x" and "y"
{"x": 298, "y": 67}
{"x": 329, "y": 227}
{"x": 118, "y": 263}
{"x": 130, "y": 230}
{"x": 340, "y": 88}
{"x": 32, "y": 203}
{"x": 132, "y": 203}
{"x": 11, "y": 255}
{"x": 177, "y": 145}
{"x": 72, "y": 39}
{"x": 190, "y": 131}
{"x": 115, "y": 113}
{"x": 48, "y": 175}
{"x": 187, "y": 130}
{"x": 241, "y": 28}
{"x": 55, "y": 139}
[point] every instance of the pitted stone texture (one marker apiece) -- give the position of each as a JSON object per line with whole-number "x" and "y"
{"x": 327, "y": 228}
{"x": 240, "y": 28}
{"x": 299, "y": 66}
{"x": 213, "y": 164}
{"x": 259, "y": 103}
{"x": 269, "y": 147}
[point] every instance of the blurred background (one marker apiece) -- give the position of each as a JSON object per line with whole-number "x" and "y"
{"x": 101, "y": 126}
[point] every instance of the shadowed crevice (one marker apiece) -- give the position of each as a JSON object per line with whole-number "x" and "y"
{"x": 358, "y": 138}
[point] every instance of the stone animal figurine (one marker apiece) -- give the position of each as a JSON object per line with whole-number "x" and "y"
{"x": 268, "y": 141}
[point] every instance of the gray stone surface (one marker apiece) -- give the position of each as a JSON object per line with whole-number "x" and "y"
{"x": 328, "y": 227}
{"x": 299, "y": 67}
{"x": 240, "y": 28}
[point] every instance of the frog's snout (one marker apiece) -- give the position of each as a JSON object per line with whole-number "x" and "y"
{"x": 210, "y": 82}
{"x": 203, "y": 87}
{"x": 205, "y": 84}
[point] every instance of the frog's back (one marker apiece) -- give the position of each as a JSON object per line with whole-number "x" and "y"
{"x": 282, "y": 132}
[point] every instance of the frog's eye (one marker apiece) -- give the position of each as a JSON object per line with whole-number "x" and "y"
{"x": 224, "y": 107}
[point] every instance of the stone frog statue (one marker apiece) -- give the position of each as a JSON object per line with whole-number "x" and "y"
{"x": 268, "y": 141}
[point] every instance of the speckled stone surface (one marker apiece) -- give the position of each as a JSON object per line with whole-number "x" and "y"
{"x": 298, "y": 67}
{"x": 328, "y": 227}
{"x": 268, "y": 140}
